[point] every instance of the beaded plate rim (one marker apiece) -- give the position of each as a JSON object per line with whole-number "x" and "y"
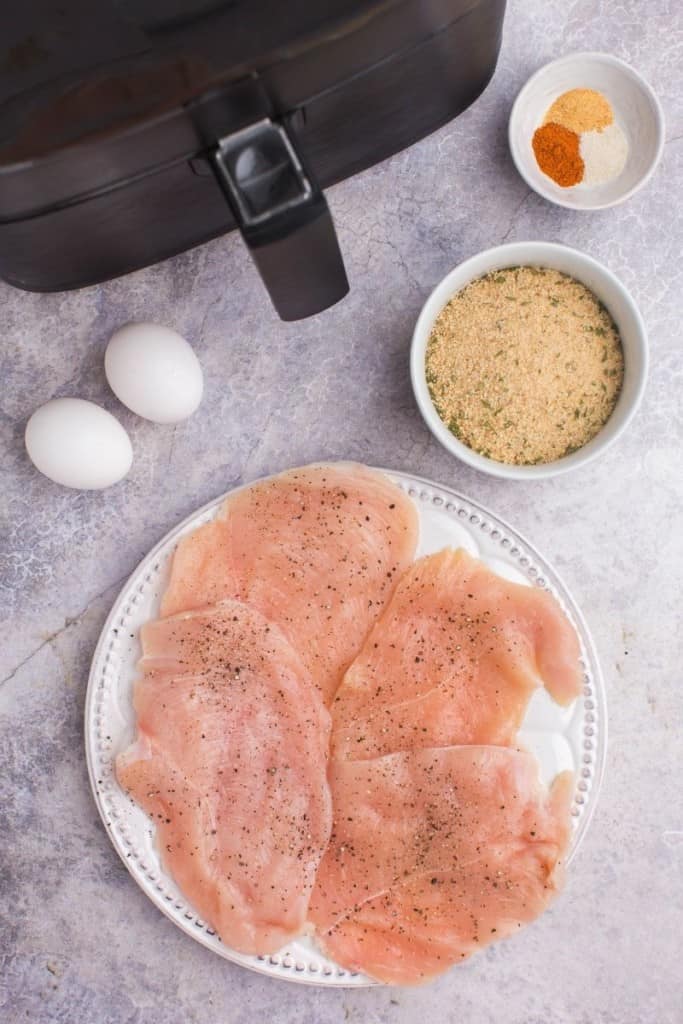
{"x": 110, "y": 799}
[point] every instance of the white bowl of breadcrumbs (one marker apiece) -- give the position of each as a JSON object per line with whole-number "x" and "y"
{"x": 529, "y": 360}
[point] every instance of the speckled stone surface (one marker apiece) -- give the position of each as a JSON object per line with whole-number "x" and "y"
{"x": 78, "y": 941}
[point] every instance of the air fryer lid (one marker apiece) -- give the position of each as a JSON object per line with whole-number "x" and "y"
{"x": 89, "y": 73}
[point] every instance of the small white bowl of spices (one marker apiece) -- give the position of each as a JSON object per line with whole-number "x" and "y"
{"x": 528, "y": 360}
{"x": 586, "y": 131}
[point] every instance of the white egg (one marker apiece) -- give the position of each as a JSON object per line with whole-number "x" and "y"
{"x": 154, "y": 371}
{"x": 78, "y": 444}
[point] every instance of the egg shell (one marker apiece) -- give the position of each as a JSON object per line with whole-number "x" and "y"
{"x": 78, "y": 444}
{"x": 154, "y": 372}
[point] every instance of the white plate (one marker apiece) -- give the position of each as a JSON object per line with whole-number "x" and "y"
{"x": 573, "y": 738}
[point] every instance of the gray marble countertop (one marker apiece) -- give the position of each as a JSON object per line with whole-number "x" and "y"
{"x": 79, "y": 942}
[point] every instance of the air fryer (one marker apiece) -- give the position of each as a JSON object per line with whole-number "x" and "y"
{"x": 132, "y": 130}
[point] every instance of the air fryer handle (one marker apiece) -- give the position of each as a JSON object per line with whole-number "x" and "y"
{"x": 283, "y": 217}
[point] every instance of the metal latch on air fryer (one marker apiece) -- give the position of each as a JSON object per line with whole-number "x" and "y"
{"x": 260, "y": 169}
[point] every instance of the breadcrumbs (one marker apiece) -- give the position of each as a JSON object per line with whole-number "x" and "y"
{"x": 524, "y": 365}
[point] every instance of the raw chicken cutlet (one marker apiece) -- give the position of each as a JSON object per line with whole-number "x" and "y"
{"x": 318, "y": 551}
{"x": 454, "y": 659}
{"x": 433, "y": 855}
{"x": 230, "y": 763}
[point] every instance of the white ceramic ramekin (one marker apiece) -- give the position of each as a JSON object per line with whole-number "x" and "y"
{"x": 637, "y": 112}
{"x": 603, "y": 284}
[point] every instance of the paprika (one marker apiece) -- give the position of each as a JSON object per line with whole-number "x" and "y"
{"x": 557, "y": 153}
